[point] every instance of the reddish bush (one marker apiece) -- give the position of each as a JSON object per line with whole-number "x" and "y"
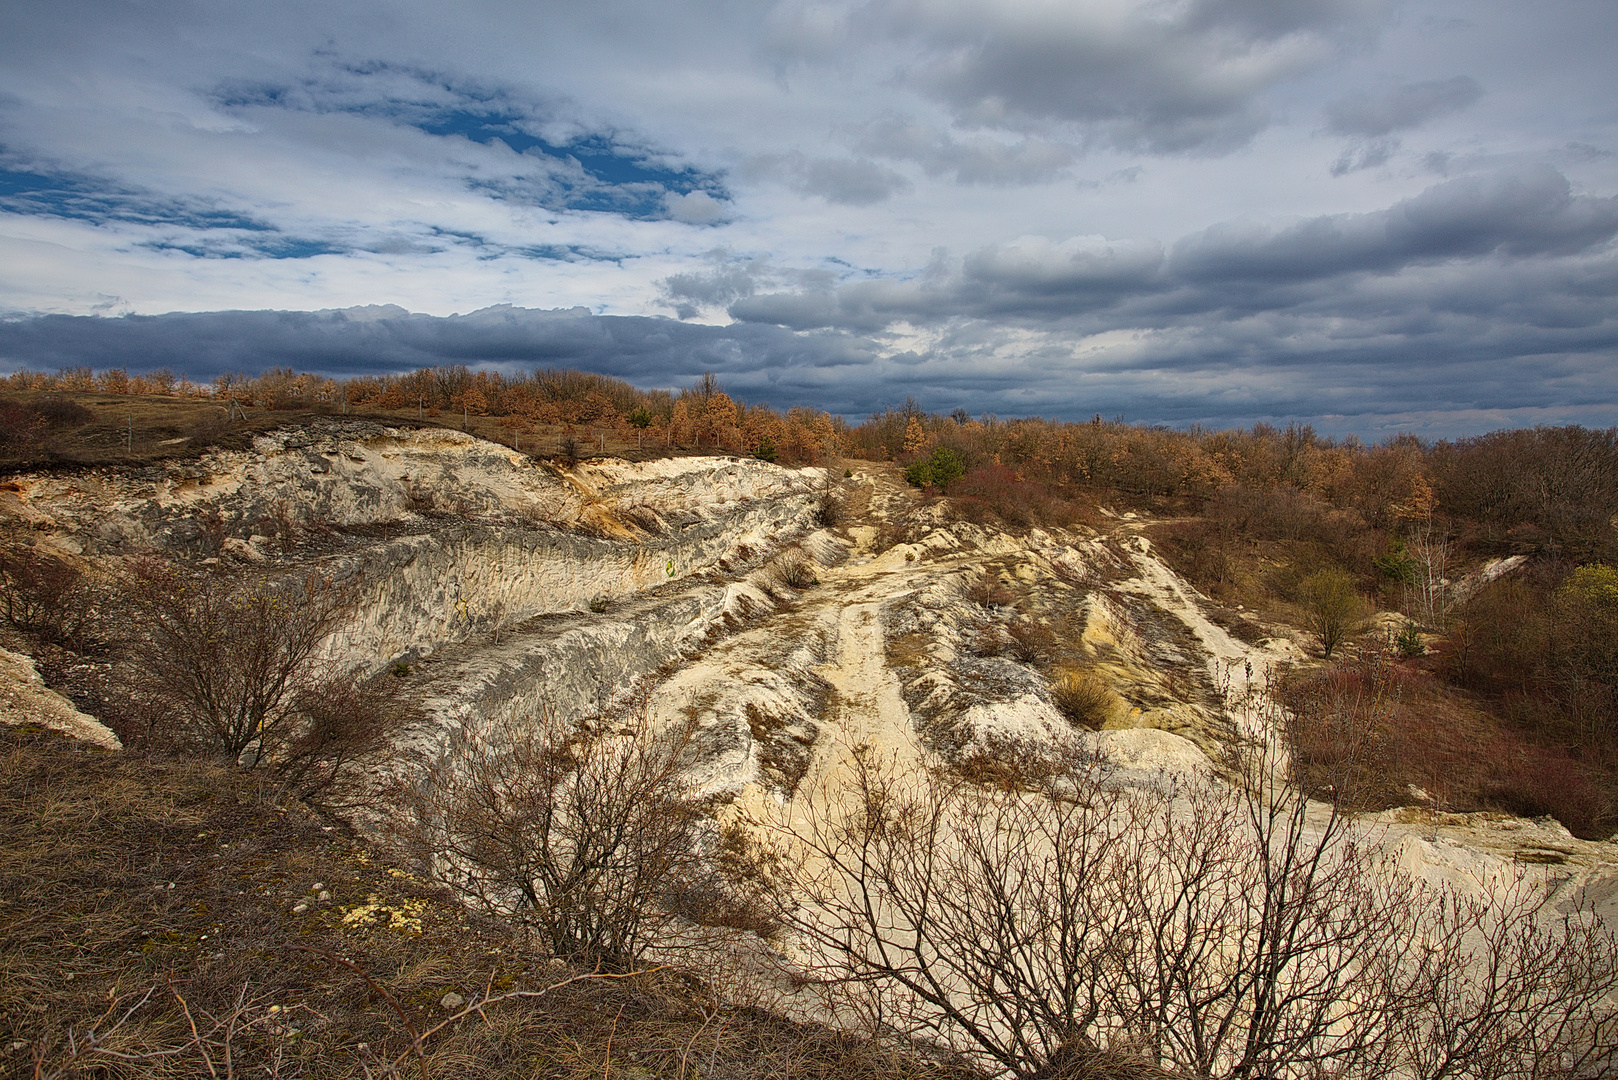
{"x": 1366, "y": 732}
{"x": 995, "y": 491}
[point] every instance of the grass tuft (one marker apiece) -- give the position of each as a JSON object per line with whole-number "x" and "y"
{"x": 1083, "y": 697}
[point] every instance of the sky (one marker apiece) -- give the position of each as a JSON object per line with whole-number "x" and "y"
{"x": 1368, "y": 215}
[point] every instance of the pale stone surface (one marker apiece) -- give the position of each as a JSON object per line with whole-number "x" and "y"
{"x": 25, "y": 699}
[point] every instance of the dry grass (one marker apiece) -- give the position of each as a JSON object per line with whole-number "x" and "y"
{"x": 154, "y": 903}
{"x": 1083, "y": 697}
{"x": 130, "y": 429}
{"x": 909, "y": 651}
{"x": 127, "y": 429}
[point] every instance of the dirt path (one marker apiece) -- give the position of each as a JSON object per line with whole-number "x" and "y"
{"x": 867, "y": 714}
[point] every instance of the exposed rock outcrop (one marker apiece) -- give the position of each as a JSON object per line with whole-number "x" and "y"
{"x": 508, "y": 587}
{"x": 25, "y": 699}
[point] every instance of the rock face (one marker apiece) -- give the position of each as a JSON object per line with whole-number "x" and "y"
{"x": 506, "y": 587}
{"x": 445, "y": 535}
{"x": 24, "y": 699}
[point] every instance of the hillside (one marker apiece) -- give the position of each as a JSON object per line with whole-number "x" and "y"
{"x": 804, "y": 628}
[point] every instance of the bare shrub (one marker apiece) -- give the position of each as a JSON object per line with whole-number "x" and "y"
{"x": 1202, "y": 550}
{"x": 589, "y": 838}
{"x": 990, "y": 640}
{"x": 343, "y": 726}
{"x": 996, "y": 492}
{"x": 59, "y": 411}
{"x": 51, "y": 598}
{"x": 235, "y": 666}
{"x": 19, "y": 426}
{"x": 1223, "y": 931}
{"x": 793, "y": 568}
{"x": 1030, "y": 641}
{"x": 831, "y": 509}
{"x": 987, "y": 591}
{"x": 1083, "y": 1060}
{"x": 1083, "y": 697}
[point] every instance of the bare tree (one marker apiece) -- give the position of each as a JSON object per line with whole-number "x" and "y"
{"x": 1223, "y": 929}
{"x": 1331, "y": 607}
{"x": 589, "y": 837}
{"x": 1427, "y": 596}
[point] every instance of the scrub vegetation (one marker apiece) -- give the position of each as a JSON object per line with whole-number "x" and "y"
{"x": 196, "y": 906}
{"x": 1279, "y": 524}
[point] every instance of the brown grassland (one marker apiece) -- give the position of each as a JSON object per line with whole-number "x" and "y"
{"x": 164, "y": 917}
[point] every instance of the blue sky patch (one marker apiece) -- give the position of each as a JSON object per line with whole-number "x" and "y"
{"x": 598, "y": 172}
{"x": 37, "y": 192}
{"x": 271, "y": 246}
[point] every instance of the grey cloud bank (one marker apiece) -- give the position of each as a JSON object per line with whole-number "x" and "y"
{"x": 1371, "y": 216}
{"x": 1399, "y": 107}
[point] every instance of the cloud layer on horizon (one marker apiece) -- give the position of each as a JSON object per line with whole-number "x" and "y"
{"x": 1375, "y": 216}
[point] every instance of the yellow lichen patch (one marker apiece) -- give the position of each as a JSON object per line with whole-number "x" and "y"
{"x": 404, "y": 916}
{"x": 395, "y": 872}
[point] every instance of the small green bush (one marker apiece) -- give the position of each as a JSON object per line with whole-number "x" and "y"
{"x": 1331, "y": 607}
{"x": 940, "y": 469}
{"x": 1408, "y": 641}
{"x": 1398, "y": 566}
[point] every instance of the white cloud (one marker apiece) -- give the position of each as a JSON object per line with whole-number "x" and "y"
{"x": 695, "y": 208}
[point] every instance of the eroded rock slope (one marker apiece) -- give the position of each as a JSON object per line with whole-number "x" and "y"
{"x": 713, "y": 588}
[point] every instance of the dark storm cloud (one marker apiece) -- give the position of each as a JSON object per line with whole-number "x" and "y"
{"x": 1528, "y": 213}
{"x": 1440, "y": 348}
{"x": 1439, "y": 305}
{"x": 727, "y": 279}
{"x": 1483, "y": 293}
{"x": 1406, "y": 106}
{"x": 1241, "y": 265}
{"x": 791, "y": 368}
